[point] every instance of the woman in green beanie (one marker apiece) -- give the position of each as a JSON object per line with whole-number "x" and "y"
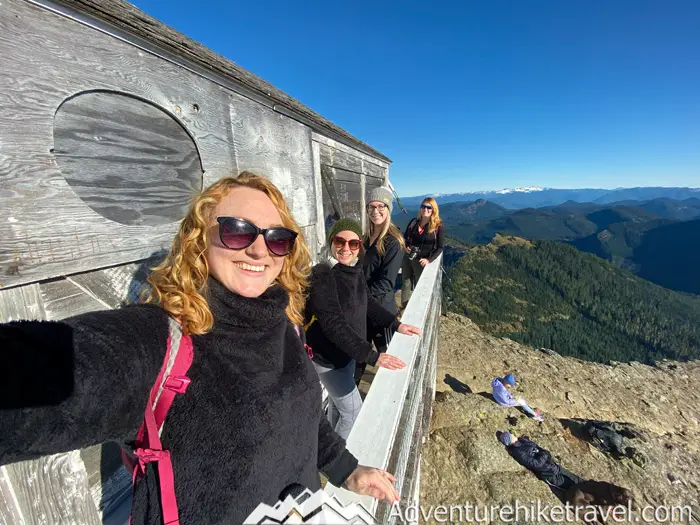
{"x": 337, "y": 311}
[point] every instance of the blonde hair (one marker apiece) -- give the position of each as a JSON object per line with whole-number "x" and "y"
{"x": 435, "y": 219}
{"x": 388, "y": 228}
{"x": 179, "y": 283}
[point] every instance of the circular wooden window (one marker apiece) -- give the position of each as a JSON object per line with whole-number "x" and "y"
{"x": 127, "y": 159}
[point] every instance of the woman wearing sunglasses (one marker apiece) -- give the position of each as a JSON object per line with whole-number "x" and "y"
{"x": 337, "y": 312}
{"x": 249, "y": 425}
{"x": 425, "y": 239}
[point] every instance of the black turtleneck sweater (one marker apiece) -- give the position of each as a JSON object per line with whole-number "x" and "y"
{"x": 249, "y": 425}
{"x": 340, "y": 301}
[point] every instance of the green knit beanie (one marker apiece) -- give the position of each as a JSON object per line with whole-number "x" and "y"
{"x": 345, "y": 224}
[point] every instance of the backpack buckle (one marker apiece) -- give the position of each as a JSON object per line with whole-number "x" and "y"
{"x": 177, "y": 384}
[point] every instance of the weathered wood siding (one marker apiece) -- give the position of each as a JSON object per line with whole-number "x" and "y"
{"x": 75, "y": 158}
{"x": 102, "y": 145}
{"x": 347, "y": 177}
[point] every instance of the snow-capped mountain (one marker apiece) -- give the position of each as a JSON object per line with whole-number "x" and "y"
{"x": 519, "y": 190}
{"x": 537, "y": 197}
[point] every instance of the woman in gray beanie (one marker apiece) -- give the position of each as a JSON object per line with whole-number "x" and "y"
{"x": 337, "y": 311}
{"x": 384, "y": 248}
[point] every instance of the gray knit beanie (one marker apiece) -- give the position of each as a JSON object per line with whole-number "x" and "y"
{"x": 381, "y": 194}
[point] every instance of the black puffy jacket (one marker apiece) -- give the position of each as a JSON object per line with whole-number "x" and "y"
{"x": 536, "y": 459}
{"x": 381, "y": 271}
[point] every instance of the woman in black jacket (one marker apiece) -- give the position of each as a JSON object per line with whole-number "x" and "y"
{"x": 384, "y": 250}
{"x": 425, "y": 239}
{"x": 249, "y": 425}
{"x": 337, "y": 312}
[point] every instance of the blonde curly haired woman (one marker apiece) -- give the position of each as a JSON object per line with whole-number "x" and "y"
{"x": 250, "y": 424}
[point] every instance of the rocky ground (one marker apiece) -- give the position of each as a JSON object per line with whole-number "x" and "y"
{"x": 463, "y": 462}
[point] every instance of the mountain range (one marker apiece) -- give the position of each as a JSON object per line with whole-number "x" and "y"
{"x": 534, "y": 197}
{"x": 657, "y": 239}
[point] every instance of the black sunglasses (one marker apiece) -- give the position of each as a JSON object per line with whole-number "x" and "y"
{"x": 237, "y": 234}
{"x": 426, "y": 207}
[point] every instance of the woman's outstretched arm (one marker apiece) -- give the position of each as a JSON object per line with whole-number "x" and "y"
{"x": 78, "y": 382}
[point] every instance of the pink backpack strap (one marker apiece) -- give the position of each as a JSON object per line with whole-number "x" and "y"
{"x": 172, "y": 380}
{"x": 302, "y": 335}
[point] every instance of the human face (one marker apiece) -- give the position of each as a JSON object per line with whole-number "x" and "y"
{"x": 377, "y": 212}
{"x": 250, "y": 271}
{"x": 426, "y": 210}
{"x": 341, "y": 250}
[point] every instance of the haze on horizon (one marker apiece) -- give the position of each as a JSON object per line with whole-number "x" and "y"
{"x": 474, "y": 96}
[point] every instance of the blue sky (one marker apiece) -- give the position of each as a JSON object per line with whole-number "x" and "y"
{"x": 476, "y": 95}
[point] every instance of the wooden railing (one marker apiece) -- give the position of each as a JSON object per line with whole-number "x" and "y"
{"x": 394, "y": 419}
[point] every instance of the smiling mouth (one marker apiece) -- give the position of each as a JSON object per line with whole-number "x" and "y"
{"x": 250, "y": 267}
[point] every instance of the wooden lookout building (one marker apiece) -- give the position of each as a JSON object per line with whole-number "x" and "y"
{"x": 110, "y": 122}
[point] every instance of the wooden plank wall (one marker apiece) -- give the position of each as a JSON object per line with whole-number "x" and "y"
{"x": 347, "y": 178}
{"x": 128, "y": 160}
{"x": 46, "y": 59}
{"x": 101, "y": 147}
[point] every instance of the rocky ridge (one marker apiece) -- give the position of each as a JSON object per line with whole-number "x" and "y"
{"x": 463, "y": 462}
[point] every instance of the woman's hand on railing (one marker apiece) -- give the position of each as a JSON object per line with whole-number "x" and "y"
{"x": 369, "y": 481}
{"x": 408, "y": 329}
{"x": 424, "y": 262}
{"x": 390, "y": 362}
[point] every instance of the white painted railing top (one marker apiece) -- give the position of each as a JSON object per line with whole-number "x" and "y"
{"x": 373, "y": 435}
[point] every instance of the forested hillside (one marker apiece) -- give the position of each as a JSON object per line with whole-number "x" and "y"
{"x": 549, "y": 294}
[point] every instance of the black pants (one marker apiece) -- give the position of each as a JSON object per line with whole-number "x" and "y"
{"x": 564, "y": 480}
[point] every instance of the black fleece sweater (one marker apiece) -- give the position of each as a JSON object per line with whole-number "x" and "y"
{"x": 381, "y": 271}
{"x": 341, "y": 303}
{"x": 430, "y": 245}
{"x": 249, "y": 425}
